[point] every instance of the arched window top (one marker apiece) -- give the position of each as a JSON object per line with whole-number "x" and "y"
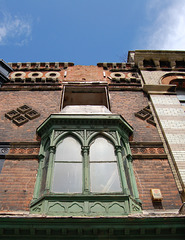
{"x": 102, "y": 150}
{"x": 173, "y": 78}
{"x": 105, "y": 135}
{"x": 61, "y": 136}
{"x": 69, "y": 149}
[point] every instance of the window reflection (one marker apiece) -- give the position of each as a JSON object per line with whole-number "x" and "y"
{"x": 68, "y": 150}
{"x": 67, "y": 176}
{"x": 103, "y": 167}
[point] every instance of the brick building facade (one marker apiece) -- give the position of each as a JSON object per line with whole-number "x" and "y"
{"x": 135, "y": 110}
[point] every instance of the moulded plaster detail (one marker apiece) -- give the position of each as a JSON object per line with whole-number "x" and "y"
{"x": 35, "y": 74}
{"x": 116, "y": 208}
{"x": 57, "y": 133}
{"x": 57, "y": 207}
{"x": 75, "y": 208}
{"x": 98, "y": 208}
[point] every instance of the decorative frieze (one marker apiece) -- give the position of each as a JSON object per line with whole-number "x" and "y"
{"x": 91, "y": 206}
{"x": 124, "y": 77}
{"x": 34, "y": 77}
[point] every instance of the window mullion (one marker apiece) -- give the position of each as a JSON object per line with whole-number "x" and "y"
{"x": 39, "y": 177}
{"x": 86, "y": 171}
{"x": 52, "y": 150}
{"x": 132, "y": 178}
{"x": 122, "y": 171}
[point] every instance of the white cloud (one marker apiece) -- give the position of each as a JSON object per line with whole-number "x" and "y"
{"x": 168, "y": 29}
{"x": 14, "y": 30}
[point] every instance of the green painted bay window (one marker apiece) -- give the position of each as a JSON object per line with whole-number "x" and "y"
{"x": 85, "y": 167}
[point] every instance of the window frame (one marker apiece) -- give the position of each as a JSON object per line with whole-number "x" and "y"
{"x": 86, "y": 176}
{"x": 85, "y": 128}
{"x": 102, "y": 89}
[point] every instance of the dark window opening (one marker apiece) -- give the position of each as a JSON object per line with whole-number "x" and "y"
{"x": 180, "y": 64}
{"x": 164, "y": 64}
{"x": 85, "y": 96}
{"x": 148, "y": 63}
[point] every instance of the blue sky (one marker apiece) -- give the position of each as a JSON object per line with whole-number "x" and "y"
{"x": 88, "y": 31}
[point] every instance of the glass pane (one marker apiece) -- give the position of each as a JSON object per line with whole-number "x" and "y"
{"x": 102, "y": 150}
{"x": 68, "y": 150}
{"x": 104, "y": 177}
{"x": 67, "y": 178}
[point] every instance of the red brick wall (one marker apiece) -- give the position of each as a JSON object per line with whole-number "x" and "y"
{"x": 127, "y": 103}
{"x": 156, "y": 173}
{"x": 84, "y": 74}
{"x": 17, "y": 178}
{"x": 44, "y": 102}
{"x": 17, "y": 181}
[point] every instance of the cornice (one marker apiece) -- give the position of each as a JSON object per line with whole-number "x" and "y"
{"x": 81, "y": 121}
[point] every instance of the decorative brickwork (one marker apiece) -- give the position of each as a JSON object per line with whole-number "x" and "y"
{"x": 20, "y": 120}
{"x": 22, "y": 115}
{"x": 125, "y": 77}
{"x": 127, "y": 103}
{"x": 12, "y": 114}
{"x": 35, "y": 77}
{"x": 44, "y": 102}
{"x": 146, "y": 114}
{"x": 40, "y": 66}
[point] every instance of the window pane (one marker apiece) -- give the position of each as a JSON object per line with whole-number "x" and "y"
{"x": 104, "y": 177}
{"x": 102, "y": 150}
{"x": 68, "y": 150}
{"x": 67, "y": 178}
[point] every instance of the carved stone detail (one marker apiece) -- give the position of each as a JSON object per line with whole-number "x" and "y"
{"x": 113, "y": 134}
{"x": 37, "y": 208}
{"x": 85, "y": 149}
{"x": 57, "y": 207}
{"x": 135, "y": 208}
{"x": 116, "y": 208}
{"x": 57, "y": 133}
{"x": 98, "y": 208}
{"x": 89, "y": 133}
{"x": 75, "y": 208}
{"x": 81, "y": 133}
{"x": 91, "y": 208}
{"x": 52, "y": 149}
